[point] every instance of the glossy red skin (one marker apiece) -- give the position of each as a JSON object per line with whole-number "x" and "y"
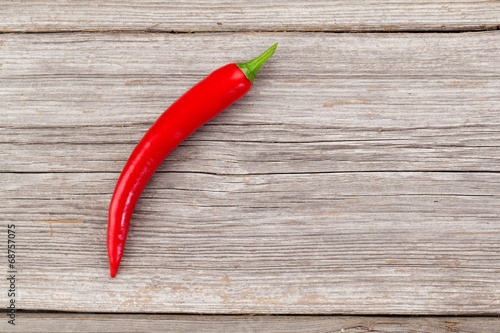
{"x": 201, "y": 103}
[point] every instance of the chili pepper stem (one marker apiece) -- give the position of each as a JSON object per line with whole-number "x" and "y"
{"x": 252, "y": 67}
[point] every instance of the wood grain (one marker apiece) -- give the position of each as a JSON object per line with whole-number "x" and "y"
{"x": 71, "y": 322}
{"x": 249, "y": 16}
{"x": 360, "y": 180}
{"x": 376, "y": 102}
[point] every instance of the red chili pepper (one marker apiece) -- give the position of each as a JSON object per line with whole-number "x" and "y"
{"x": 201, "y": 103}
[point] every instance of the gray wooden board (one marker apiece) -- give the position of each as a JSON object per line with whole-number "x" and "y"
{"x": 359, "y": 175}
{"x": 255, "y": 15}
{"x": 376, "y": 102}
{"x": 71, "y": 322}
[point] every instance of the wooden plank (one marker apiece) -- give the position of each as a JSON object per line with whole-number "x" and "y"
{"x": 329, "y": 243}
{"x": 377, "y": 102}
{"x": 360, "y": 180}
{"x": 257, "y": 15}
{"x": 71, "y": 322}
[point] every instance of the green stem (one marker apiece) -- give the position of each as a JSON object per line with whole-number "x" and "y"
{"x": 252, "y": 67}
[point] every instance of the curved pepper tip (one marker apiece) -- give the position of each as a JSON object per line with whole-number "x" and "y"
{"x": 113, "y": 270}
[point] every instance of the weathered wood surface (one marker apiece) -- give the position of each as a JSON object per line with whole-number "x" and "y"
{"x": 359, "y": 176}
{"x": 376, "y": 102}
{"x": 256, "y": 15}
{"x": 71, "y": 322}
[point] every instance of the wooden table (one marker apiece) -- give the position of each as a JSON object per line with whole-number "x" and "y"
{"x": 354, "y": 189}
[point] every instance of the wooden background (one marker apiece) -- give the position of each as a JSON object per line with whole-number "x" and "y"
{"x": 358, "y": 177}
